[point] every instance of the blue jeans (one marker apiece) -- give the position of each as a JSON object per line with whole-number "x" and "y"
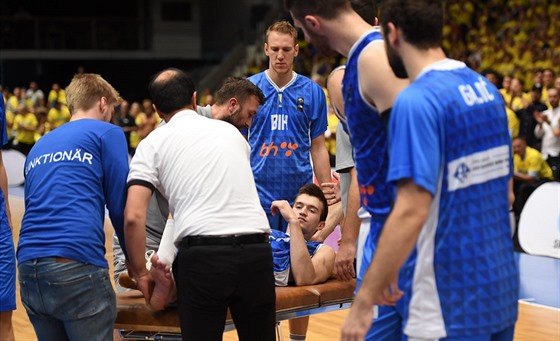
{"x": 67, "y": 300}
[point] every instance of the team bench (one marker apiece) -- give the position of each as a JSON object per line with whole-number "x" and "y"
{"x": 136, "y": 321}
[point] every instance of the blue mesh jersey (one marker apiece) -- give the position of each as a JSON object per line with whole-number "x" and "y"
{"x": 281, "y": 133}
{"x": 368, "y": 134}
{"x": 280, "y": 244}
{"x": 448, "y": 133}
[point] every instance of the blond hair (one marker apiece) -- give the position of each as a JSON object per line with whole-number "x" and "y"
{"x": 86, "y": 89}
{"x": 283, "y": 26}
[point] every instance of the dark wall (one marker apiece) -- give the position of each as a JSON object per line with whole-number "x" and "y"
{"x": 130, "y": 78}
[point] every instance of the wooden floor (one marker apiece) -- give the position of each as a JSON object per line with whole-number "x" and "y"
{"x": 535, "y": 323}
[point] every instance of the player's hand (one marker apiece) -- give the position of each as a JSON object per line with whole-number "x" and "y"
{"x": 391, "y": 294}
{"x": 331, "y": 190}
{"x": 344, "y": 262}
{"x": 357, "y": 323}
{"x": 143, "y": 280}
{"x": 146, "y": 285}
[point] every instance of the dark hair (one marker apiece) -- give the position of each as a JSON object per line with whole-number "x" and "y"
{"x": 171, "y": 90}
{"x": 315, "y": 191}
{"x": 367, "y": 9}
{"x": 421, "y": 21}
{"x": 240, "y": 88}
{"x": 537, "y": 88}
{"x": 327, "y": 9}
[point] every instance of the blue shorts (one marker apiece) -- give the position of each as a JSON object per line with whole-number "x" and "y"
{"x": 390, "y": 321}
{"x": 389, "y": 324}
{"x": 7, "y": 268}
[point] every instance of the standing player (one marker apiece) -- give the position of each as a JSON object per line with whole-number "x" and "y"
{"x": 451, "y": 161}
{"x": 288, "y": 127}
{"x": 369, "y": 89}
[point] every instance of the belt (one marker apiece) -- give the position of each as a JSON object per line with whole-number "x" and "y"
{"x": 63, "y": 260}
{"x": 231, "y": 239}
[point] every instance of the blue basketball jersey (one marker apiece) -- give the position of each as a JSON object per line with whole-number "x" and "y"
{"x": 448, "y": 133}
{"x": 368, "y": 134}
{"x": 281, "y": 133}
{"x": 280, "y": 244}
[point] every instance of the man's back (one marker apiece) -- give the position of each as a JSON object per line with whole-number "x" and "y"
{"x": 462, "y": 156}
{"x": 69, "y": 176}
{"x": 368, "y": 134}
{"x": 179, "y": 150}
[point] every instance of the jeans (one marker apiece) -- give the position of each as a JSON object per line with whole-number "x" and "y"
{"x": 67, "y": 300}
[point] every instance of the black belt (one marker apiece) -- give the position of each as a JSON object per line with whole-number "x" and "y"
{"x": 231, "y": 239}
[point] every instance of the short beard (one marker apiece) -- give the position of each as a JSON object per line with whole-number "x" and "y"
{"x": 232, "y": 118}
{"x": 395, "y": 61}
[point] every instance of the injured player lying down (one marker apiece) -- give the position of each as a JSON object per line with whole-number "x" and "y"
{"x": 297, "y": 259}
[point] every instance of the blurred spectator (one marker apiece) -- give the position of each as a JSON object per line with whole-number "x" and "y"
{"x": 135, "y": 110}
{"x": 56, "y": 94}
{"x": 25, "y": 124}
{"x": 206, "y": 98}
{"x": 548, "y": 83}
{"x": 548, "y": 129}
{"x": 126, "y": 122}
{"x": 146, "y": 120}
{"x": 513, "y": 123}
{"x": 43, "y": 125}
{"x": 505, "y": 90}
{"x": 35, "y": 95}
{"x": 58, "y": 114}
{"x": 529, "y": 172}
{"x": 527, "y": 117}
{"x": 493, "y": 77}
{"x": 519, "y": 98}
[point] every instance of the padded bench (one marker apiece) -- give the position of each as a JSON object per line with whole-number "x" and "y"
{"x": 136, "y": 321}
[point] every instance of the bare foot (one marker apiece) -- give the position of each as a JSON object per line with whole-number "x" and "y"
{"x": 164, "y": 285}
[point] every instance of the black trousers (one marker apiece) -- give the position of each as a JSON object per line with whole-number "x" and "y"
{"x": 211, "y": 278}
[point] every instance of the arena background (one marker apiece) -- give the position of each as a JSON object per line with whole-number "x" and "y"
{"x": 127, "y": 41}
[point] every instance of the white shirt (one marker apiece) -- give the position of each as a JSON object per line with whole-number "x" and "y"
{"x": 550, "y": 144}
{"x": 202, "y": 168}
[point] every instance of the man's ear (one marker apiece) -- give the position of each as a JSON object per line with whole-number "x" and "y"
{"x": 320, "y": 226}
{"x": 312, "y": 23}
{"x": 232, "y": 104}
{"x": 158, "y": 112}
{"x": 266, "y": 49}
{"x": 193, "y": 101}
{"x": 392, "y": 34}
{"x": 102, "y": 104}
